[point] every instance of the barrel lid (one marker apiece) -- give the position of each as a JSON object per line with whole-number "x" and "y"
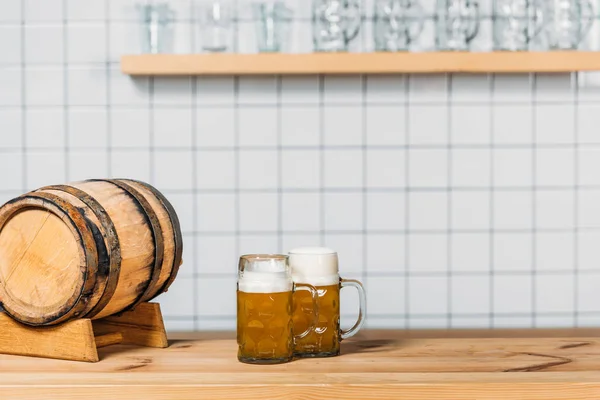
{"x": 44, "y": 259}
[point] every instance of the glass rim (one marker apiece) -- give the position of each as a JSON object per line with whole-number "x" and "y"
{"x": 263, "y": 256}
{"x": 304, "y": 253}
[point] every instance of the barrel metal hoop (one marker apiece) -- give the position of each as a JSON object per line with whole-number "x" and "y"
{"x": 155, "y": 229}
{"x": 177, "y": 236}
{"x": 88, "y": 271}
{"x": 110, "y": 234}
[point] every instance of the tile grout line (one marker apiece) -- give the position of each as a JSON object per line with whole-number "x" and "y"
{"x": 443, "y": 274}
{"x": 195, "y": 203}
{"x": 108, "y": 92}
{"x": 407, "y": 138}
{"x": 338, "y": 148}
{"x": 310, "y": 105}
{"x": 576, "y": 266}
{"x": 440, "y": 232}
{"x": 365, "y": 198}
{"x": 534, "y": 265}
{"x": 24, "y": 157}
{"x": 279, "y": 84}
{"x": 449, "y": 277}
{"x": 65, "y": 32}
{"x": 237, "y": 178}
{"x": 491, "y": 204}
{"x": 151, "y": 131}
{"x": 322, "y": 159}
{"x": 397, "y": 190}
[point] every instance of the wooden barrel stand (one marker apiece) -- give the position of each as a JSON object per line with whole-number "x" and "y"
{"x": 79, "y": 340}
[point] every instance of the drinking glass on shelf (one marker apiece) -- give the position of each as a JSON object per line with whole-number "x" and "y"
{"x": 156, "y": 22}
{"x": 567, "y": 23}
{"x": 335, "y": 24}
{"x": 457, "y": 24}
{"x": 396, "y": 24}
{"x": 516, "y": 23}
{"x": 215, "y": 26}
{"x": 272, "y": 20}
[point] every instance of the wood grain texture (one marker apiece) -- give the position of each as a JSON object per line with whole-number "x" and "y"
{"x": 374, "y": 365}
{"x": 135, "y": 238}
{"x": 78, "y": 340}
{"x": 86, "y": 250}
{"x": 107, "y": 242}
{"x": 359, "y": 63}
{"x": 22, "y": 293}
{"x": 143, "y": 326}
{"x": 72, "y": 340}
{"x": 108, "y": 339}
{"x": 171, "y": 228}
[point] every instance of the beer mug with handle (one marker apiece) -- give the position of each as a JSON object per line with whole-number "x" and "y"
{"x": 318, "y": 266}
{"x": 516, "y": 23}
{"x": 567, "y": 22}
{"x": 265, "y": 332}
{"x": 335, "y": 24}
{"x": 397, "y": 23}
{"x": 457, "y": 24}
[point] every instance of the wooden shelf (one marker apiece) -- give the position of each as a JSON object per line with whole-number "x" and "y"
{"x": 359, "y": 63}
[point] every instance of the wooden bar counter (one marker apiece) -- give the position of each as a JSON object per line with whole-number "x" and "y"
{"x": 448, "y": 365}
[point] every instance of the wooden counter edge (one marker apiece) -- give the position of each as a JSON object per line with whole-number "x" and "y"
{"x": 424, "y": 333}
{"x": 482, "y": 390}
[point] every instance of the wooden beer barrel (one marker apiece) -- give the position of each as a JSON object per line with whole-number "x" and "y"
{"x": 86, "y": 250}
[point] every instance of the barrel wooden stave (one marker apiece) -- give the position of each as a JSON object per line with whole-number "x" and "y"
{"x": 137, "y": 249}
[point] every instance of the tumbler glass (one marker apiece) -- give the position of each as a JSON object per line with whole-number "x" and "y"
{"x": 272, "y": 20}
{"x": 335, "y": 24}
{"x": 265, "y": 296}
{"x": 568, "y": 22}
{"x": 457, "y": 24}
{"x": 516, "y": 23}
{"x": 156, "y": 27}
{"x": 215, "y": 26}
{"x": 396, "y": 24}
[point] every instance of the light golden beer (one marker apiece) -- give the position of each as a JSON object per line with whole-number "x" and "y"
{"x": 324, "y": 340}
{"x": 319, "y": 266}
{"x": 264, "y": 327}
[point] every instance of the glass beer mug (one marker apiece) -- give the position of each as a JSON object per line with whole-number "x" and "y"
{"x": 319, "y": 267}
{"x": 265, "y": 332}
{"x": 397, "y": 23}
{"x": 335, "y": 24}
{"x": 567, "y": 22}
{"x": 457, "y": 24}
{"x": 516, "y": 23}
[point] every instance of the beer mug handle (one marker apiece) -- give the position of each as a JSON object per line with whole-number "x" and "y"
{"x": 474, "y": 30}
{"x": 315, "y": 297}
{"x": 352, "y": 12}
{"x": 362, "y": 298}
{"x": 587, "y": 14}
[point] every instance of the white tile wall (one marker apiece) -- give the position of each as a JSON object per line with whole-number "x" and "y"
{"x": 459, "y": 200}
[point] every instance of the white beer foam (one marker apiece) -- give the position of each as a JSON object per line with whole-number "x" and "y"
{"x": 266, "y": 265}
{"x": 264, "y": 282}
{"x": 317, "y": 266}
